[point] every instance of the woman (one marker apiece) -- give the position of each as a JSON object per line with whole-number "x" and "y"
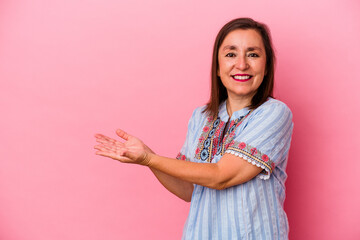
{"x": 236, "y": 148}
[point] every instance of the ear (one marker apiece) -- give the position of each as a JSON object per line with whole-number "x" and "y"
{"x": 218, "y": 73}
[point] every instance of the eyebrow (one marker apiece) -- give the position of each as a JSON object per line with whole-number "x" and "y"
{"x": 232, "y": 47}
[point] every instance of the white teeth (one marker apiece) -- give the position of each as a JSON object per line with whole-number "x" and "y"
{"x": 242, "y": 77}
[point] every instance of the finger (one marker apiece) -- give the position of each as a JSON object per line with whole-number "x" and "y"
{"x": 101, "y": 140}
{"x": 109, "y": 142}
{"x": 122, "y": 134}
{"x": 113, "y": 156}
{"x": 99, "y": 135}
{"x": 108, "y": 148}
{"x": 106, "y": 142}
{"x": 103, "y": 137}
{"x": 107, "y": 154}
{"x": 102, "y": 148}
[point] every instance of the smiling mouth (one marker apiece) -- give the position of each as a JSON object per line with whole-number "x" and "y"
{"x": 241, "y": 77}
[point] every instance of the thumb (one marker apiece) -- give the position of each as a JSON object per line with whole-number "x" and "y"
{"x": 122, "y": 134}
{"x": 143, "y": 159}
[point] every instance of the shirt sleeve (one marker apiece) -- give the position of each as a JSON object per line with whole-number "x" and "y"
{"x": 265, "y": 138}
{"x": 186, "y": 152}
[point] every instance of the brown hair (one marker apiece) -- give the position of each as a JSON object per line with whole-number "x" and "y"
{"x": 218, "y": 90}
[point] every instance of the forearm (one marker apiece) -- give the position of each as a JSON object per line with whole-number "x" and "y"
{"x": 180, "y": 188}
{"x": 177, "y": 175}
{"x": 204, "y": 174}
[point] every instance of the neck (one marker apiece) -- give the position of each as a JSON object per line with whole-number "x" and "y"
{"x": 235, "y": 103}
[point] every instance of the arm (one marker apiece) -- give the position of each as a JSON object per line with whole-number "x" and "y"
{"x": 229, "y": 171}
{"x": 180, "y": 188}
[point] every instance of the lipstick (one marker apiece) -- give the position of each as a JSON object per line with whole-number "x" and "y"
{"x": 241, "y": 77}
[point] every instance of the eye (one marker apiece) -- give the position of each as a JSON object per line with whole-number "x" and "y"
{"x": 253, "y": 55}
{"x": 230, "y": 55}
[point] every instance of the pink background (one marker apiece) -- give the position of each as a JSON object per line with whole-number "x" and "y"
{"x": 71, "y": 68}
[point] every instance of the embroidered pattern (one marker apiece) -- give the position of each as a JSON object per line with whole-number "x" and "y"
{"x": 215, "y": 138}
{"x": 252, "y": 155}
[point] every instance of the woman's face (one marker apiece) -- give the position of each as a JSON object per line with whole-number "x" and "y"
{"x": 242, "y": 63}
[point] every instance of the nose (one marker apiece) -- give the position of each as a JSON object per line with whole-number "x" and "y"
{"x": 242, "y": 63}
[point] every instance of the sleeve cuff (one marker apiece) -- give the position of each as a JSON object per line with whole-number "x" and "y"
{"x": 253, "y": 156}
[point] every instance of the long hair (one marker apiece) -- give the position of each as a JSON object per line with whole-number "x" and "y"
{"x": 218, "y": 90}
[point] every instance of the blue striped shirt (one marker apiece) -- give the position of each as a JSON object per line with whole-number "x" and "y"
{"x": 252, "y": 210}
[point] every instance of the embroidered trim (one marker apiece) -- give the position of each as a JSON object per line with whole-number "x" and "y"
{"x": 181, "y": 156}
{"x": 206, "y": 150}
{"x": 253, "y": 156}
{"x": 228, "y": 138}
{"x": 214, "y": 140}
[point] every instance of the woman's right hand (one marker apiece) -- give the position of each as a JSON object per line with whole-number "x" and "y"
{"x": 132, "y": 150}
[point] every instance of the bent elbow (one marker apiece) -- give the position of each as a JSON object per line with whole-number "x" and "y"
{"x": 219, "y": 185}
{"x": 222, "y": 184}
{"x": 187, "y": 199}
{"x": 220, "y": 179}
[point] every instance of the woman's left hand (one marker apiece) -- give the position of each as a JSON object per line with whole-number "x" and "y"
{"x": 132, "y": 150}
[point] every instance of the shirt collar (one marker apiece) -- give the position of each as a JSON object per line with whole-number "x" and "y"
{"x": 224, "y": 116}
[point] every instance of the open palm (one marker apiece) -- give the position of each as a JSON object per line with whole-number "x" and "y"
{"x": 131, "y": 150}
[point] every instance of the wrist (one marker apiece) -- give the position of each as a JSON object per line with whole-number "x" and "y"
{"x": 146, "y": 159}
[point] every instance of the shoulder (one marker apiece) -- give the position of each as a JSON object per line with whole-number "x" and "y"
{"x": 198, "y": 116}
{"x": 273, "y": 107}
{"x": 199, "y": 113}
